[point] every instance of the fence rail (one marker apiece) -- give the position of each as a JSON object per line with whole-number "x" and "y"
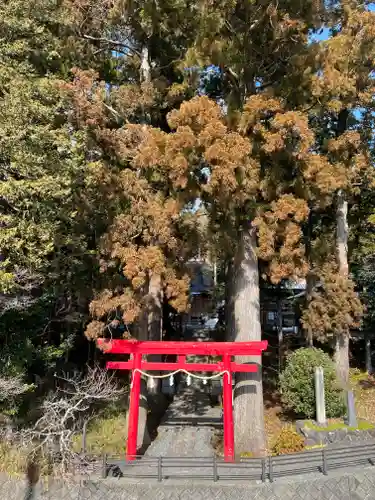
{"x": 265, "y": 469}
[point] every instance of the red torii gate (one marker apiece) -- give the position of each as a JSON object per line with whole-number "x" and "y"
{"x": 137, "y": 364}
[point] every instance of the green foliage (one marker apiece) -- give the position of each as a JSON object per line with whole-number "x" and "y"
{"x": 41, "y": 169}
{"x": 297, "y": 383}
{"x": 357, "y": 376}
{"x": 52, "y": 206}
{"x": 334, "y": 426}
{"x": 288, "y": 441}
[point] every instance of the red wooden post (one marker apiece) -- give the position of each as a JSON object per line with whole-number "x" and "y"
{"x": 135, "y": 391}
{"x": 228, "y": 410}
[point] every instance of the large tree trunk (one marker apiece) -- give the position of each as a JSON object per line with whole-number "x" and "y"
{"x": 143, "y": 439}
{"x": 155, "y": 302}
{"x": 229, "y": 301}
{"x": 248, "y": 394}
{"x": 342, "y": 231}
{"x": 368, "y": 354}
{"x": 280, "y": 335}
{"x": 310, "y": 279}
{"x": 310, "y": 284}
{"x": 342, "y": 359}
{"x": 145, "y": 69}
{"x": 155, "y": 325}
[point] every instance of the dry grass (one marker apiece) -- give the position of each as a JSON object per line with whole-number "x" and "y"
{"x": 13, "y": 460}
{"x": 364, "y": 390}
{"x": 105, "y": 435}
{"x": 274, "y": 422}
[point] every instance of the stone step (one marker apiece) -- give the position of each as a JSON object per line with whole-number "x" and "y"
{"x": 187, "y": 427}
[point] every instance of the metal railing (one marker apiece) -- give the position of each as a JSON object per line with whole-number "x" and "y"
{"x": 321, "y": 461}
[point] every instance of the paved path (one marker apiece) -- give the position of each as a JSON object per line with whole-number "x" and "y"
{"x": 188, "y": 425}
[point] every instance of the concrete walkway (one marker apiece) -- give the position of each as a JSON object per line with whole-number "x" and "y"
{"x": 190, "y": 421}
{"x": 187, "y": 427}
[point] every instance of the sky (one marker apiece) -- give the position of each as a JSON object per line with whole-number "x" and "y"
{"x": 324, "y": 35}
{"x": 325, "y": 31}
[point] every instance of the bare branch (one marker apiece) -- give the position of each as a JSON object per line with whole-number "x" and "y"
{"x": 11, "y": 387}
{"x": 64, "y": 412}
{"x": 115, "y": 43}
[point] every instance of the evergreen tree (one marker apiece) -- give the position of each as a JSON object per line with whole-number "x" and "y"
{"x": 344, "y": 87}
{"x": 50, "y": 208}
{"x": 305, "y": 163}
{"x": 109, "y": 159}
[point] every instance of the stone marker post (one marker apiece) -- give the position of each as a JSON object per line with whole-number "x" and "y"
{"x": 320, "y": 402}
{"x": 352, "y": 418}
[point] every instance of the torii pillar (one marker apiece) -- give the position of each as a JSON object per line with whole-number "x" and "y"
{"x": 226, "y": 350}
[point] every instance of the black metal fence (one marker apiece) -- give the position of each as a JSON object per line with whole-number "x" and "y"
{"x": 322, "y": 461}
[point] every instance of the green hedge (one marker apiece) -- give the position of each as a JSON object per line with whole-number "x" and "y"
{"x": 297, "y": 383}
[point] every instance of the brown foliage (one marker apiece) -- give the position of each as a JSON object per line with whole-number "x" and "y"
{"x": 324, "y": 177}
{"x": 334, "y": 307}
{"x": 146, "y": 167}
{"x": 279, "y": 238}
{"x": 87, "y": 96}
{"x": 288, "y": 441}
{"x": 345, "y": 77}
{"x": 255, "y": 159}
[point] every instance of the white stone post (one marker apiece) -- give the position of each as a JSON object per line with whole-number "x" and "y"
{"x": 352, "y": 418}
{"x": 320, "y": 402}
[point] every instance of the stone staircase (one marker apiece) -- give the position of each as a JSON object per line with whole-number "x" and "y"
{"x": 188, "y": 425}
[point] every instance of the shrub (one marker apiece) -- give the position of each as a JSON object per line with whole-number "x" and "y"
{"x": 288, "y": 441}
{"x": 297, "y": 383}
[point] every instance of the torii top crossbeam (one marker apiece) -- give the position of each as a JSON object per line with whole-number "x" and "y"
{"x": 119, "y": 346}
{"x": 225, "y": 350}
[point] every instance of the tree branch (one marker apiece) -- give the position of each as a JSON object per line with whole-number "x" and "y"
{"x": 109, "y": 41}
{"x": 64, "y": 411}
{"x": 12, "y": 387}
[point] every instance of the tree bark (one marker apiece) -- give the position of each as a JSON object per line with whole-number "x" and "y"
{"x": 155, "y": 325}
{"x": 145, "y": 69}
{"x": 229, "y": 302}
{"x": 342, "y": 359}
{"x": 155, "y": 302}
{"x": 342, "y": 231}
{"x": 368, "y": 354}
{"x": 310, "y": 279}
{"x": 280, "y": 335}
{"x": 143, "y": 439}
{"x": 310, "y": 283}
{"x": 248, "y": 394}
